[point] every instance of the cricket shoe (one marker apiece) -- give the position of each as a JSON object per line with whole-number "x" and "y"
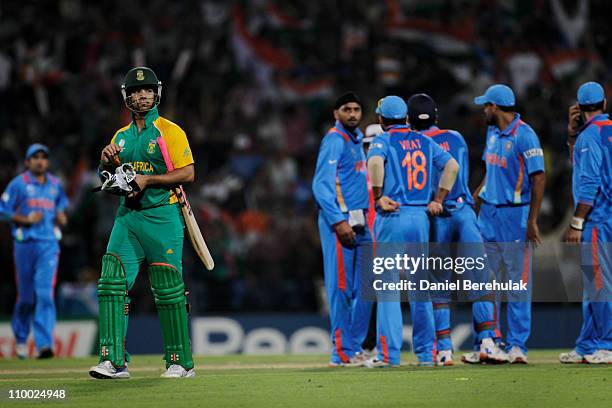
{"x": 106, "y": 371}
{"x": 491, "y": 353}
{"x": 21, "y": 349}
{"x": 358, "y": 360}
{"x": 444, "y": 358}
{"x": 45, "y": 353}
{"x": 516, "y": 356}
{"x": 178, "y": 371}
{"x": 367, "y": 354}
{"x": 471, "y": 358}
{"x": 599, "y": 357}
{"x": 573, "y": 357}
{"x": 376, "y": 363}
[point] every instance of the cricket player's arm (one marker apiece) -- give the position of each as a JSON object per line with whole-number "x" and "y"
{"x": 538, "y": 184}
{"x": 589, "y": 183}
{"x": 109, "y": 156}
{"x": 532, "y": 156}
{"x": 324, "y": 188}
{"x": 181, "y": 157}
{"x": 481, "y": 186}
{"x": 476, "y": 194}
{"x": 376, "y": 171}
{"x": 573, "y": 127}
{"x": 444, "y": 162}
{"x": 447, "y": 180}
{"x": 182, "y": 175}
{"x": 61, "y": 203}
{"x": 9, "y": 201}
{"x": 324, "y": 180}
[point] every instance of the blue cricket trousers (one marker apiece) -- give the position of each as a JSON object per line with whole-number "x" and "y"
{"x": 36, "y": 271}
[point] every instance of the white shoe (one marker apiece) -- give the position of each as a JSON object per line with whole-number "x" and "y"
{"x": 599, "y": 357}
{"x": 178, "y": 371}
{"x": 516, "y": 356}
{"x": 367, "y": 354}
{"x": 376, "y": 363}
{"x": 106, "y": 370}
{"x": 358, "y": 360}
{"x": 573, "y": 357}
{"x": 22, "y": 351}
{"x": 471, "y": 358}
{"x": 444, "y": 358}
{"x": 491, "y": 353}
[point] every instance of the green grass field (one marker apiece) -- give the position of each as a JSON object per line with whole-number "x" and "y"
{"x": 296, "y": 381}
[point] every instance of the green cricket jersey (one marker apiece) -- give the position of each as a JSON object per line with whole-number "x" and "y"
{"x": 144, "y": 151}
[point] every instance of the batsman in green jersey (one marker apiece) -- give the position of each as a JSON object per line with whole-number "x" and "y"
{"x": 148, "y": 228}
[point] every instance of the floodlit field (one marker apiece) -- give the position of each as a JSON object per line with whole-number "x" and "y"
{"x": 292, "y": 381}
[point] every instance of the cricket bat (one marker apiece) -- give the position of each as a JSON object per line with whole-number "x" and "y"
{"x": 195, "y": 235}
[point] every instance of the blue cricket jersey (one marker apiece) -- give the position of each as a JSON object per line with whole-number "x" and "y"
{"x": 453, "y": 142}
{"x": 340, "y": 181}
{"x": 511, "y": 156}
{"x": 592, "y": 175}
{"x": 25, "y": 195}
{"x": 411, "y": 160}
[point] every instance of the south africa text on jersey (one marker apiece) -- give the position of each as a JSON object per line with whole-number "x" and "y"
{"x": 144, "y": 167}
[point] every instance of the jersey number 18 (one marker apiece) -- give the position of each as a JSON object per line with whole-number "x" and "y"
{"x": 415, "y": 163}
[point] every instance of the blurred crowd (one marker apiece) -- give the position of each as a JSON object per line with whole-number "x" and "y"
{"x": 252, "y": 83}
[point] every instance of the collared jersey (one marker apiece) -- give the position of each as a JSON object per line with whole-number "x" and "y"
{"x": 592, "y": 174}
{"x": 411, "y": 159}
{"x": 511, "y": 157}
{"x": 453, "y": 142}
{"x": 25, "y": 195}
{"x": 142, "y": 150}
{"x": 340, "y": 181}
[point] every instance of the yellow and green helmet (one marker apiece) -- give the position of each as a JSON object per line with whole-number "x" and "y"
{"x": 140, "y": 77}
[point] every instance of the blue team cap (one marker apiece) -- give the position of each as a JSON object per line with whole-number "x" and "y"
{"x": 392, "y": 107}
{"x": 35, "y": 148}
{"x": 500, "y": 95}
{"x": 590, "y": 93}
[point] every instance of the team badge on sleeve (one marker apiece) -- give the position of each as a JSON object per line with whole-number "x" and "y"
{"x": 5, "y": 197}
{"x": 535, "y": 152}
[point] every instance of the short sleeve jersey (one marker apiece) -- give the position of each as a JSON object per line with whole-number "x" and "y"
{"x": 410, "y": 161}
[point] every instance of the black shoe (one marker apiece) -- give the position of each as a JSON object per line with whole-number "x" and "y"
{"x": 45, "y": 353}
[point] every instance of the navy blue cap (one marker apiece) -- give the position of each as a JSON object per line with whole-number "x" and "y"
{"x": 590, "y": 93}
{"x": 35, "y": 148}
{"x": 421, "y": 108}
{"x": 500, "y": 95}
{"x": 392, "y": 107}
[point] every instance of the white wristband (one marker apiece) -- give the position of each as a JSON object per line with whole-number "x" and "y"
{"x": 577, "y": 223}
